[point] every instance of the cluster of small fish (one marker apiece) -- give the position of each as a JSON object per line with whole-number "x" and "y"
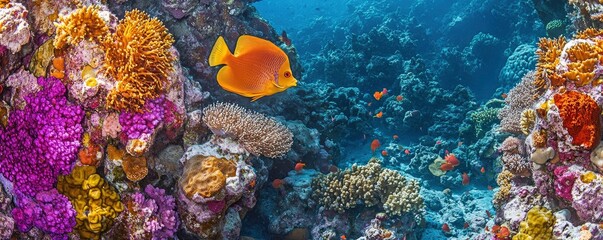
{"x": 378, "y": 96}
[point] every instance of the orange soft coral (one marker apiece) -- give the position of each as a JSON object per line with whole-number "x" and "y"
{"x": 581, "y": 118}
{"x": 583, "y": 57}
{"x": 138, "y": 57}
{"x": 82, "y": 24}
{"x": 548, "y": 57}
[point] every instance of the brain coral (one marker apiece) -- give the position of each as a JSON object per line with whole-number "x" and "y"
{"x": 581, "y": 118}
{"x": 95, "y": 201}
{"x": 206, "y": 176}
{"x": 369, "y": 185}
{"x": 42, "y": 140}
{"x": 257, "y": 133}
{"x": 138, "y": 56}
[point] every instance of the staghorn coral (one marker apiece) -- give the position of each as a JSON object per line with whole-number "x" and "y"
{"x": 95, "y": 201}
{"x": 538, "y": 225}
{"x": 370, "y": 185}
{"x": 257, "y": 133}
{"x": 581, "y": 118}
{"x": 82, "y": 24}
{"x": 206, "y": 176}
{"x": 518, "y": 99}
{"x": 504, "y": 182}
{"x": 137, "y": 55}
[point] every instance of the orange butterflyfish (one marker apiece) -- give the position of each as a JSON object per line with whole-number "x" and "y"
{"x": 277, "y": 183}
{"x": 384, "y": 153}
{"x": 377, "y": 95}
{"x": 375, "y": 144}
{"x": 446, "y": 167}
{"x": 465, "y": 179}
{"x": 379, "y": 115}
{"x": 299, "y": 166}
{"x": 395, "y": 137}
{"x": 406, "y": 151}
{"x": 399, "y": 98}
{"x": 451, "y": 159}
{"x": 483, "y": 170}
{"x": 445, "y": 228}
{"x": 257, "y": 68}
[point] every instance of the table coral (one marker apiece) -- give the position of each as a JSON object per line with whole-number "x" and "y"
{"x": 538, "y": 225}
{"x": 49, "y": 211}
{"x": 96, "y": 202}
{"x": 42, "y": 140}
{"x": 138, "y": 57}
{"x": 82, "y": 24}
{"x": 581, "y": 118}
{"x": 259, "y": 134}
{"x": 370, "y": 185}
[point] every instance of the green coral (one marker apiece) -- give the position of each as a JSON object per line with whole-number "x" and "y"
{"x": 370, "y": 185}
{"x": 555, "y": 28}
{"x": 95, "y": 201}
{"x": 483, "y": 118}
{"x": 537, "y": 225}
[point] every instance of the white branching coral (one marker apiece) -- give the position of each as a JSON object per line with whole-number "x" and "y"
{"x": 369, "y": 185}
{"x": 258, "y": 134}
{"x": 518, "y": 99}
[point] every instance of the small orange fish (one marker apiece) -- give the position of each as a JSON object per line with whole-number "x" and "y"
{"x": 445, "y": 228}
{"x": 384, "y": 91}
{"x": 384, "y": 153}
{"x": 399, "y": 98}
{"x": 395, "y": 137}
{"x": 257, "y": 68}
{"x": 377, "y": 95}
{"x": 299, "y": 166}
{"x": 503, "y": 232}
{"x": 343, "y": 237}
{"x": 504, "y": 96}
{"x": 483, "y": 170}
{"x": 446, "y": 167}
{"x": 489, "y": 215}
{"x": 465, "y": 179}
{"x": 406, "y": 151}
{"x": 379, "y": 115}
{"x": 375, "y": 144}
{"x": 466, "y": 225}
{"x": 451, "y": 159}
{"x": 277, "y": 183}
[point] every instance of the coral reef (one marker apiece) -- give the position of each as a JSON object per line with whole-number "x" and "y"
{"x": 49, "y": 211}
{"x": 82, "y": 24}
{"x": 14, "y": 29}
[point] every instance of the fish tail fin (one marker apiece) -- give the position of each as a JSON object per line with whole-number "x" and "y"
{"x": 219, "y": 53}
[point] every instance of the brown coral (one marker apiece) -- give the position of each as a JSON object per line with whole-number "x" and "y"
{"x": 257, "y": 133}
{"x": 518, "y": 99}
{"x": 206, "y": 176}
{"x": 549, "y": 51}
{"x": 82, "y": 24}
{"x": 504, "y": 182}
{"x": 137, "y": 55}
{"x": 135, "y": 168}
{"x": 581, "y": 118}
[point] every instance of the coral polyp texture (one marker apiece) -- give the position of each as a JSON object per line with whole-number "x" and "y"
{"x": 138, "y": 57}
{"x": 368, "y": 185}
{"x": 260, "y": 135}
{"x": 14, "y": 28}
{"x": 82, "y": 24}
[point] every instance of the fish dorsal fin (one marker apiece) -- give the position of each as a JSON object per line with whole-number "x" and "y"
{"x": 247, "y": 43}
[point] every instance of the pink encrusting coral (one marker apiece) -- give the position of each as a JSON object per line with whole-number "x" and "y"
{"x": 49, "y": 211}
{"x": 564, "y": 181}
{"x": 42, "y": 140}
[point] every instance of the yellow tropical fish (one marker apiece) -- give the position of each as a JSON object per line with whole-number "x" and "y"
{"x": 257, "y": 68}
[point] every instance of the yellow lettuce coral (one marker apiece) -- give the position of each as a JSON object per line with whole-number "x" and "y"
{"x": 206, "y": 176}
{"x": 538, "y": 225}
{"x": 137, "y": 55}
{"x": 95, "y": 201}
{"x": 82, "y": 24}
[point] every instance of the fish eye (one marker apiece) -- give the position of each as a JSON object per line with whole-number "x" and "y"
{"x": 287, "y": 74}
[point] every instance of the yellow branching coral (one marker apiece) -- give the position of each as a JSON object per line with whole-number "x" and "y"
{"x": 504, "y": 182}
{"x": 549, "y": 51}
{"x": 370, "y": 184}
{"x": 82, "y": 24}
{"x": 526, "y": 121}
{"x": 206, "y": 176}
{"x": 589, "y": 33}
{"x": 258, "y": 134}
{"x": 137, "y": 55}
{"x": 95, "y": 201}
{"x": 3, "y": 3}
{"x": 538, "y": 225}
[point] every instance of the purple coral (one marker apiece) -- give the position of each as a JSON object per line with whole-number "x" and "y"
{"x": 50, "y": 211}
{"x": 134, "y": 125}
{"x": 41, "y": 141}
{"x": 564, "y": 181}
{"x": 155, "y": 214}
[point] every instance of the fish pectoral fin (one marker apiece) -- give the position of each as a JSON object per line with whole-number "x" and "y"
{"x": 278, "y": 86}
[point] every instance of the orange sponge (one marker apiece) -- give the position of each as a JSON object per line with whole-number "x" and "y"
{"x": 580, "y": 114}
